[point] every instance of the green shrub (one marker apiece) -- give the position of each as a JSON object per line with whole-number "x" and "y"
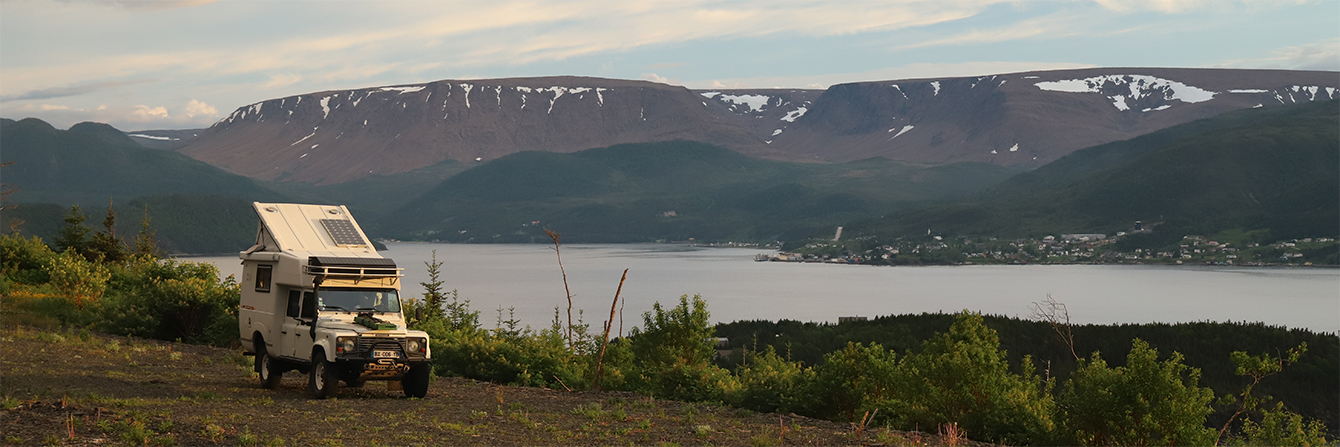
{"x": 674, "y": 350}
{"x": 1282, "y": 427}
{"x": 24, "y": 259}
{"x": 963, "y": 377}
{"x": 679, "y": 335}
{"x": 852, "y": 381}
{"x": 769, "y": 383}
{"x": 76, "y": 278}
{"x": 171, "y": 299}
{"x": 1146, "y": 402}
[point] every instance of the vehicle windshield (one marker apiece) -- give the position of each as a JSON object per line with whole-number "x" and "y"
{"x": 358, "y": 300}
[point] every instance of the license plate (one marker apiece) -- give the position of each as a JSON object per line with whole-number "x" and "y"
{"x": 384, "y": 354}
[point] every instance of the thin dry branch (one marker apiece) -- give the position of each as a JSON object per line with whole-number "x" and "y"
{"x": 1055, "y": 314}
{"x": 555, "y": 236}
{"x": 600, "y": 361}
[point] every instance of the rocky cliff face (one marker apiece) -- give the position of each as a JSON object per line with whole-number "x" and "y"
{"x": 335, "y": 136}
{"x": 1029, "y": 119}
{"x": 1019, "y": 119}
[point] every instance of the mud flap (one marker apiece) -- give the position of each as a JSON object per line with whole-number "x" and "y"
{"x": 394, "y": 385}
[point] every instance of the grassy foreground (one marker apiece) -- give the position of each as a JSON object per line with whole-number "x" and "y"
{"x": 82, "y": 388}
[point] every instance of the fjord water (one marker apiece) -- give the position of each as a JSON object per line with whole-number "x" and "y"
{"x": 736, "y": 287}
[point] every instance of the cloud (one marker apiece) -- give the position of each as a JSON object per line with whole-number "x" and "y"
{"x": 144, "y": 114}
{"x": 653, "y": 77}
{"x": 60, "y": 92}
{"x": 1164, "y": 6}
{"x": 477, "y": 35}
{"x": 283, "y": 80}
{"x": 1323, "y": 55}
{"x": 194, "y": 114}
{"x": 1320, "y": 55}
{"x": 1051, "y": 27}
{"x": 196, "y": 108}
{"x": 145, "y": 5}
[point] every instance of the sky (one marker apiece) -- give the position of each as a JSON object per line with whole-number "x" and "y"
{"x": 141, "y": 65}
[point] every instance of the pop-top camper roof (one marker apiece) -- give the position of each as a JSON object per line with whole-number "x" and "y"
{"x": 310, "y": 230}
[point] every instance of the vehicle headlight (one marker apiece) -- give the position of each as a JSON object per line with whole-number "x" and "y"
{"x": 417, "y": 346}
{"x": 345, "y": 344}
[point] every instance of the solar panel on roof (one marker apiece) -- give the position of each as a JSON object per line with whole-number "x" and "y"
{"x": 343, "y": 232}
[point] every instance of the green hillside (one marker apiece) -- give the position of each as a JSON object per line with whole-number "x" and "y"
{"x": 374, "y": 194}
{"x": 668, "y": 191}
{"x": 194, "y": 207}
{"x": 1271, "y": 168}
{"x": 92, "y": 162}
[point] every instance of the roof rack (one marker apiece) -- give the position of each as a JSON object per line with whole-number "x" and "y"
{"x": 355, "y": 268}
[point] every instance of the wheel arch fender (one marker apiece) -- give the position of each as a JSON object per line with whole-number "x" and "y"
{"x": 323, "y": 349}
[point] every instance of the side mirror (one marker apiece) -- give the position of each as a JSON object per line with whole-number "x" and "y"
{"x": 418, "y": 313}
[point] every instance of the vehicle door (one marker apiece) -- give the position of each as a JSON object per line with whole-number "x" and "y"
{"x": 299, "y": 317}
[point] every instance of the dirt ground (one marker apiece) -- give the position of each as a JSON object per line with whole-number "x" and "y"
{"x": 80, "y": 388}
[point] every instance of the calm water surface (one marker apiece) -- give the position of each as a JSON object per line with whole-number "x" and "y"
{"x": 737, "y": 288}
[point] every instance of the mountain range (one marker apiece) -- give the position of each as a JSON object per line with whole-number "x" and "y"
{"x": 1024, "y": 120}
{"x": 1256, "y": 167}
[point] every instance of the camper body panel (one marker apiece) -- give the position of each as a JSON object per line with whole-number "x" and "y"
{"x": 324, "y": 301}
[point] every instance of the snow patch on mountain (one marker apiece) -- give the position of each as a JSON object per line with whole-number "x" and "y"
{"x": 1248, "y": 90}
{"x": 936, "y": 84}
{"x": 295, "y": 143}
{"x": 755, "y": 102}
{"x": 905, "y": 129}
{"x": 1138, "y": 86}
{"x": 325, "y": 107}
{"x": 402, "y": 90}
{"x": 1119, "y": 102}
{"x": 792, "y": 115}
{"x": 467, "y": 88}
{"x": 899, "y": 89}
{"x": 152, "y": 137}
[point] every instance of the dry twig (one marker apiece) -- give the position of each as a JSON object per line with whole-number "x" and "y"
{"x": 600, "y": 361}
{"x": 1055, "y": 314}
{"x": 555, "y": 236}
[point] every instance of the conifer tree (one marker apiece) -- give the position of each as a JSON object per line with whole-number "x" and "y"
{"x": 74, "y": 235}
{"x": 105, "y": 241}
{"x": 144, "y": 242}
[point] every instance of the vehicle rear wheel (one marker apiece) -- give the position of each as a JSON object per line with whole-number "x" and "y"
{"x": 415, "y": 383}
{"x": 265, "y": 366}
{"x": 322, "y": 380}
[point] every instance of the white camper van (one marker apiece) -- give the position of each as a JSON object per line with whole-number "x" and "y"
{"x": 317, "y": 298}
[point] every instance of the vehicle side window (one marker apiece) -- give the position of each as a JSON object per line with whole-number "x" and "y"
{"x": 294, "y": 303}
{"x": 308, "y": 305}
{"x": 263, "y": 273}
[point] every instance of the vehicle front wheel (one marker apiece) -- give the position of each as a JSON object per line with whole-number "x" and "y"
{"x": 415, "y": 383}
{"x": 322, "y": 380}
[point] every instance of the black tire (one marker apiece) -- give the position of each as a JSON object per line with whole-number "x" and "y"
{"x": 270, "y": 373}
{"x": 322, "y": 381}
{"x": 415, "y": 383}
